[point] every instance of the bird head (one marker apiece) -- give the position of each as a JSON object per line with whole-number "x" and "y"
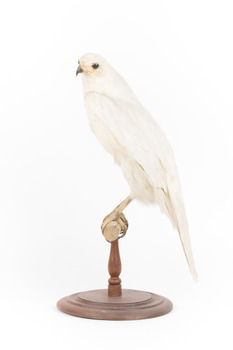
{"x": 99, "y": 76}
{"x": 91, "y": 63}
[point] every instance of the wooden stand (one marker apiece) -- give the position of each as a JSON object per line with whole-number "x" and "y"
{"x": 114, "y": 303}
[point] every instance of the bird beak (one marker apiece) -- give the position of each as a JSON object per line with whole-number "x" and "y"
{"x": 79, "y": 70}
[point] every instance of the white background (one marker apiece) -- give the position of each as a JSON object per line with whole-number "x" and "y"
{"x": 57, "y": 183}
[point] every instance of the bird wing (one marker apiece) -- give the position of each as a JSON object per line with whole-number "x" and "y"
{"x": 129, "y": 125}
{"x": 133, "y": 128}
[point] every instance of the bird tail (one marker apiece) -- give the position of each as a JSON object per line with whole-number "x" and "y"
{"x": 177, "y": 215}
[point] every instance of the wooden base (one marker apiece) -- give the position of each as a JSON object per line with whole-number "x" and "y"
{"x": 131, "y": 305}
{"x": 115, "y": 303}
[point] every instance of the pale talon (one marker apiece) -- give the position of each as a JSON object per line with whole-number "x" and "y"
{"x": 114, "y": 226}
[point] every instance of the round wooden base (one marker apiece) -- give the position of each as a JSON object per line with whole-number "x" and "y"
{"x": 132, "y": 305}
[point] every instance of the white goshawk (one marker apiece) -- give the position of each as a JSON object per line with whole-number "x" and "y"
{"x": 129, "y": 133}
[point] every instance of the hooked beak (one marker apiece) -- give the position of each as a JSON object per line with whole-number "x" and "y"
{"x": 79, "y": 70}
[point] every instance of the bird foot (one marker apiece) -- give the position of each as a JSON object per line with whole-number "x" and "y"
{"x": 114, "y": 226}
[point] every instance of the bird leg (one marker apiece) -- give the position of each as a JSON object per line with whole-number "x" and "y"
{"x": 115, "y": 225}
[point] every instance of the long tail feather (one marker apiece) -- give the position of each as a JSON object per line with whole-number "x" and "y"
{"x": 177, "y": 215}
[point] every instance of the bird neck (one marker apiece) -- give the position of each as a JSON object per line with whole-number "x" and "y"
{"x": 110, "y": 84}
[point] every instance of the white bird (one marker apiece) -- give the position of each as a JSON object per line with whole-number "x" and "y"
{"x": 129, "y": 133}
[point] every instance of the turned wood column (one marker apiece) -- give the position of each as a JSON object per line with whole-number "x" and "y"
{"x": 114, "y": 269}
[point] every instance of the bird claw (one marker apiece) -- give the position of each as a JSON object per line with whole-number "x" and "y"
{"x": 123, "y": 222}
{"x": 114, "y": 226}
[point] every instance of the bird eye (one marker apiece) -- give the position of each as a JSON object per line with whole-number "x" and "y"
{"x": 95, "y": 65}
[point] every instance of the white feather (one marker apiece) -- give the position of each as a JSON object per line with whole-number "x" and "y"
{"x": 129, "y": 133}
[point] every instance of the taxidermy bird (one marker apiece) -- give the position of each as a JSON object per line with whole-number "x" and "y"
{"x": 128, "y": 132}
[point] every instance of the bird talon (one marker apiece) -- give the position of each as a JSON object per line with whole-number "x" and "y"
{"x": 114, "y": 226}
{"x": 122, "y": 221}
{"x": 108, "y": 218}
